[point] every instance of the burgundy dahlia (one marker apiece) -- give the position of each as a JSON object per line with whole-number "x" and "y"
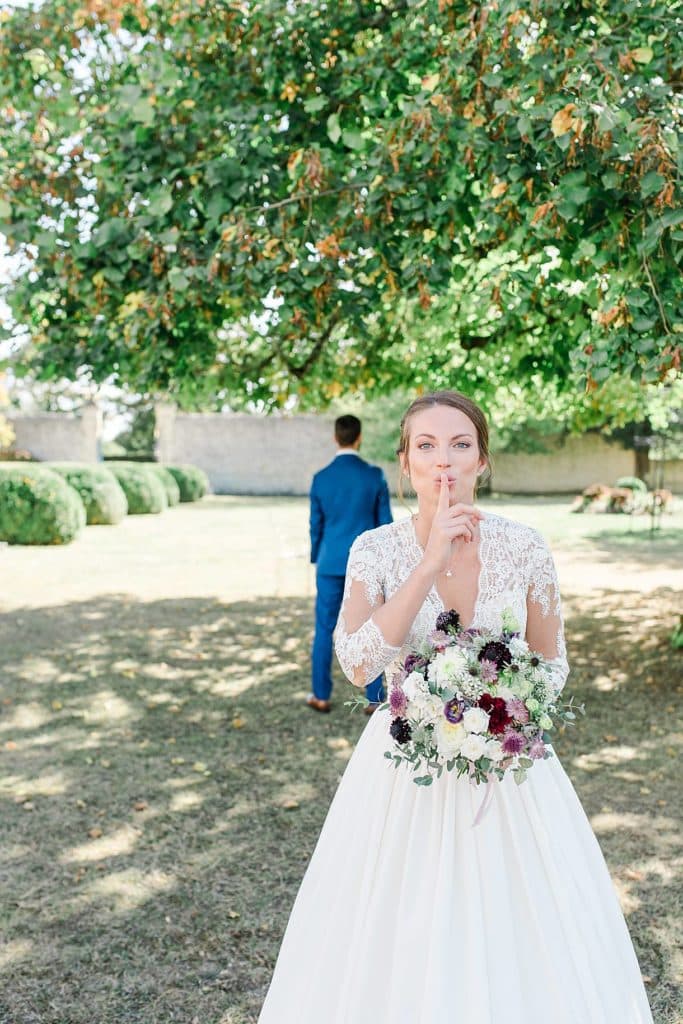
{"x": 496, "y": 708}
{"x": 497, "y": 652}
{"x": 400, "y": 730}
{"x": 448, "y": 621}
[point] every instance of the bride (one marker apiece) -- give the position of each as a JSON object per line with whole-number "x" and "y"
{"x": 414, "y": 909}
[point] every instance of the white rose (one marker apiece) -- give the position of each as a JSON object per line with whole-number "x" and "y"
{"x": 473, "y": 746}
{"x": 449, "y": 737}
{"x": 494, "y": 750}
{"x": 414, "y": 685}
{"x": 518, "y": 647}
{"x": 429, "y": 707}
{"x": 475, "y": 720}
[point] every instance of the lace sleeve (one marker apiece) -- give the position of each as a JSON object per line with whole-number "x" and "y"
{"x": 361, "y": 648}
{"x": 545, "y": 628}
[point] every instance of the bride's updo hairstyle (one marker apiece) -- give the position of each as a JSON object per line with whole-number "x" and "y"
{"x": 455, "y": 400}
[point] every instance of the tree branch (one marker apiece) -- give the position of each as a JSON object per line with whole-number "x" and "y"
{"x": 646, "y": 268}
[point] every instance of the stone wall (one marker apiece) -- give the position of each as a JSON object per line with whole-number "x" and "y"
{"x": 245, "y": 454}
{"x": 573, "y": 465}
{"x": 59, "y": 436}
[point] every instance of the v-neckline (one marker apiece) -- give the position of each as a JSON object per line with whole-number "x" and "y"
{"x": 434, "y": 591}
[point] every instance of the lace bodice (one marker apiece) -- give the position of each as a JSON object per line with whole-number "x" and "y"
{"x": 516, "y": 572}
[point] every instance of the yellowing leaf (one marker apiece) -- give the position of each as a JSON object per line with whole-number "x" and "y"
{"x": 430, "y": 82}
{"x": 499, "y": 189}
{"x": 563, "y": 120}
{"x": 642, "y": 54}
{"x": 427, "y": 235}
{"x": 289, "y": 92}
{"x": 270, "y": 248}
{"x": 238, "y": 723}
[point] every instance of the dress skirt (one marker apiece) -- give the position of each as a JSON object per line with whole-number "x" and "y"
{"x": 412, "y": 913}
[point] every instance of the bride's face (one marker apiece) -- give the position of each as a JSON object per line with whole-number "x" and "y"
{"x": 442, "y": 440}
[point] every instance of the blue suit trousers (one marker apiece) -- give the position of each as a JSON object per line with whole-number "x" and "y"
{"x": 330, "y": 591}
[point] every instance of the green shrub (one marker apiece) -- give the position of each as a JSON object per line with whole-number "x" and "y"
{"x": 633, "y": 483}
{"x": 192, "y": 481}
{"x": 168, "y": 481}
{"x": 101, "y": 493}
{"x": 143, "y": 489}
{"x": 37, "y": 506}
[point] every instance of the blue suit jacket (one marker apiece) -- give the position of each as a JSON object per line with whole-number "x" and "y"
{"x": 348, "y": 497}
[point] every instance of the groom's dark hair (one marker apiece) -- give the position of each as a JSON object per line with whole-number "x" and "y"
{"x": 346, "y": 430}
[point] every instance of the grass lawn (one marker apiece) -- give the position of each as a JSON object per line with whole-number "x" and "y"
{"x": 163, "y": 785}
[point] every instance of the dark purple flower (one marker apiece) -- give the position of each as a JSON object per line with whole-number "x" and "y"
{"x": 513, "y": 743}
{"x": 398, "y": 702}
{"x": 413, "y": 663}
{"x": 497, "y": 652}
{"x": 400, "y": 730}
{"x": 448, "y": 621}
{"x": 453, "y": 710}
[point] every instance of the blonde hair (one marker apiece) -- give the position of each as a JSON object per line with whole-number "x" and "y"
{"x": 455, "y": 400}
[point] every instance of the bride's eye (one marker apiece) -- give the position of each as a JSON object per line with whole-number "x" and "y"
{"x": 424, "y": 444}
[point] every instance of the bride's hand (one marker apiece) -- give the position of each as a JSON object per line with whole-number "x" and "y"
{"x": 449, "y": 523}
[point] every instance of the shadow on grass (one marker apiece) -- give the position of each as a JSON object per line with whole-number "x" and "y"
{"x": 659, "y": 550}
{"x": 164, "y": 786}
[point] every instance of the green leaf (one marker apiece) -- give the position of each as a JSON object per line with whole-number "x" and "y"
{"x": 353, "y": 140}
{"x": 423, "y": 780}
{"x": 161, "y": 201}
{"x": 333, "y": 128}
{"x": 143, "y": 112}
{"x": 651, "y": 183}
{"x": 177, "y": 280}
{"x": 315, "y": 103}
{"x": 5, "y": 210}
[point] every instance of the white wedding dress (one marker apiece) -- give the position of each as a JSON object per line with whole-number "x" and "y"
{"x": 409, "y": 912}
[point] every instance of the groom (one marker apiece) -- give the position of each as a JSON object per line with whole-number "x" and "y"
{"x": 348, "y": 497}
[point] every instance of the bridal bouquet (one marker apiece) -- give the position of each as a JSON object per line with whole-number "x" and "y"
{"x": 473, "y": 701}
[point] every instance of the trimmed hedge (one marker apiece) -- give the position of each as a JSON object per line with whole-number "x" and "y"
{"x": 168, "y": 481}
{"x": 37, "y": 506}
{"x": 101, "y": 493}
{"x": 143, "y": 489}
{"x": 192, "y": 481}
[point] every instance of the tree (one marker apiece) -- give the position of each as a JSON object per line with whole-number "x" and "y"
{"x": 272, "y": 201}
